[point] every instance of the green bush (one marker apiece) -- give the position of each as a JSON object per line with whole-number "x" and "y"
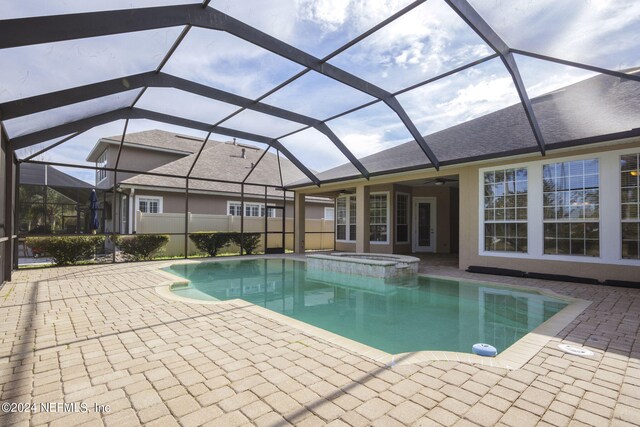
{"x": 211, "y": 241}
{"x": 67, "y": 250}
{"x": 251, "y": 241}
{"x": 142, "y": 246}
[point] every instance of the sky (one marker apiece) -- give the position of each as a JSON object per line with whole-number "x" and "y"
{"x": 427, "y": 41}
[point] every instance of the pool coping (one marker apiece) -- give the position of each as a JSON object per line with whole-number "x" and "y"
{"x": 514, "y": 357}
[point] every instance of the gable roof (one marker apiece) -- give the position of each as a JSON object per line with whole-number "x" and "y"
{"x": 573, "y": 115}
{"x": 154, "y": 139}
{"x": 224, "y": 161}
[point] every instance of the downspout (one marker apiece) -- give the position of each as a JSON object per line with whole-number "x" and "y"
{"x": 132, "y": 211}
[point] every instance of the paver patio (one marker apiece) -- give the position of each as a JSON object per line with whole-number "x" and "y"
{"x": 102, "y": 335}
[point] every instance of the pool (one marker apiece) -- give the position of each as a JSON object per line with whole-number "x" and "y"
{"x": 395, "y": 316}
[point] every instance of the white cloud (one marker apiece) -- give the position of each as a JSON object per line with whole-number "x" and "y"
{"x": 598, "y": 32}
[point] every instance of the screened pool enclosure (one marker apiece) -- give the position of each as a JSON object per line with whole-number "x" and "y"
{"x": 323, "y": 85}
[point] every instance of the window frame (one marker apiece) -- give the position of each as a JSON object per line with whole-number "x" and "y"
{"x": 624, "y": 221}
{"x": 408, "y": 224}
{"x": 386, "y": 224}
{"x": 610, "y": 209}
{"x": 504, "y": 220}
{"x": 251, "y": 205}
{"x": 333, "y": 213}
{"x": 347, "y": 224}
{"x": 159, "y": 199}
{"x": 570, "y": 220}
{"x": 101, "y": 162}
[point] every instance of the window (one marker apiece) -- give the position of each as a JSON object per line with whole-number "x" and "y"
{"x": 101, "y": 163}
{"x": 630, "y": 208}
{"x": 402, "y": 218}
{"x": 352, "y": 218}
{"x": 328, "y": 214}
{"x": 378, "y": 217}
{"x": 571, "y": 208}
{"x": 234, "y": 208}
{"x": 505, "y": 210}
{"x": 341, "y": 221}
{"x": 150, "y": 204}
{"x": 250, "y": 209}
{"x": 346, "y": 218}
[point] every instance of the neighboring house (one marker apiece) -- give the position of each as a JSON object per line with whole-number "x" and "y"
{"x": 51, "y": 201}
{"x": 167, "y": 153}
{"x": 574, "y": 211}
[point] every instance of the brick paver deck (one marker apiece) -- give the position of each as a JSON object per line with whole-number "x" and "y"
{"x": 101, "y": 335}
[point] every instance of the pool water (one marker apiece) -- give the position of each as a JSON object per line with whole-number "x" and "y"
{"x": 396, "y": 317}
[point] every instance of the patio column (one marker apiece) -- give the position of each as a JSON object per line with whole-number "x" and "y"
{"x": 362, "y": 218}
{"x": 299, "y": 232}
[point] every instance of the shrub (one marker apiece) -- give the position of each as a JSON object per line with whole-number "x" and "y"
{"x": 66, "y": 250}
{"x": 211, "y": 241}
{"x": 142, "y": 246}
{"x": 251, "y": 241}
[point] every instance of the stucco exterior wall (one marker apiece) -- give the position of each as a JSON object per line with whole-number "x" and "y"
{"x": 468, "y": 241}
{"x": 174, "y": 202}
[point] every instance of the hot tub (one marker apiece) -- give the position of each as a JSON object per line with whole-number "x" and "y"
{"x": 386, "y": 266}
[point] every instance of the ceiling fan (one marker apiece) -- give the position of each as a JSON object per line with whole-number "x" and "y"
{"x": 440, "y": 181}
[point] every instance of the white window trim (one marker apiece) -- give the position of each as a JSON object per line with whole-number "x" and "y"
{"x": 99, "y": 164}
{"x": 159, "y": 199}
{"x": 259, "y": 205}
{"x": 481, "y": 207}
{"x": 385, "y": 242}
{"x": 395, "y": 207}
{"x": 347, "y": 223}
{"x": 333, "y": 213}
{"x": 610, "y": 210}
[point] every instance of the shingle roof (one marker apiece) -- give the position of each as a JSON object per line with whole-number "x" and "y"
{"x": 224, "y": 161}
{"x": 596, "y": 106}
{"x": 154, "y": 138}
{"x": 162, "y": 139}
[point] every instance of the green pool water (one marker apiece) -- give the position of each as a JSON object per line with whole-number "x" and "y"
{"x": 418, "y": 314}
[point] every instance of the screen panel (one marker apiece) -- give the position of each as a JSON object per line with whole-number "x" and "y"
{"x": 220, "y": 60}
{"x": 317, "y": 96}
{"x": 33, "y": 70}
{"x": 70, "y": 113}
{"x": 461, "y": 97}
{"x": 572, "y": 104}
{"x": 184, "y": 104}
{"x": 370, "y": 130}
{"x": 427, "y": 41}
{"x": 316, "y": 27}
{"x": 318, "y": 153}
{"x": 592, "y": 32}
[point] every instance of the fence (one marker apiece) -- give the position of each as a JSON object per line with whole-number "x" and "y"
{"x": 319, "y": 232}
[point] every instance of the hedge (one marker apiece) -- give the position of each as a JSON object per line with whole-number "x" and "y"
{"x": 142, "y": 246}
{"x": 212, "y": 242}
{"x": 250, "y": 243}
{"x": 67, "y": 250}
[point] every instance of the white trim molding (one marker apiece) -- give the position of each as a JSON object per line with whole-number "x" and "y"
{"x": 159, "y": 199}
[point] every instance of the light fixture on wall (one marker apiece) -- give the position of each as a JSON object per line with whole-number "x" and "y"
{"x": 635, "y": 172}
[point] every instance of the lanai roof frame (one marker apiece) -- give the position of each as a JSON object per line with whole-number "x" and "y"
{"x": 17, "y": 32}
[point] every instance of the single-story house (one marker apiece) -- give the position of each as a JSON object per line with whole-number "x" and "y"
{"x": 573, "y": 211}
{"x": 168, "y": 154}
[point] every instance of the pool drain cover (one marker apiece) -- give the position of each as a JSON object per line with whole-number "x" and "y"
{"x": 576, "y": 351}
